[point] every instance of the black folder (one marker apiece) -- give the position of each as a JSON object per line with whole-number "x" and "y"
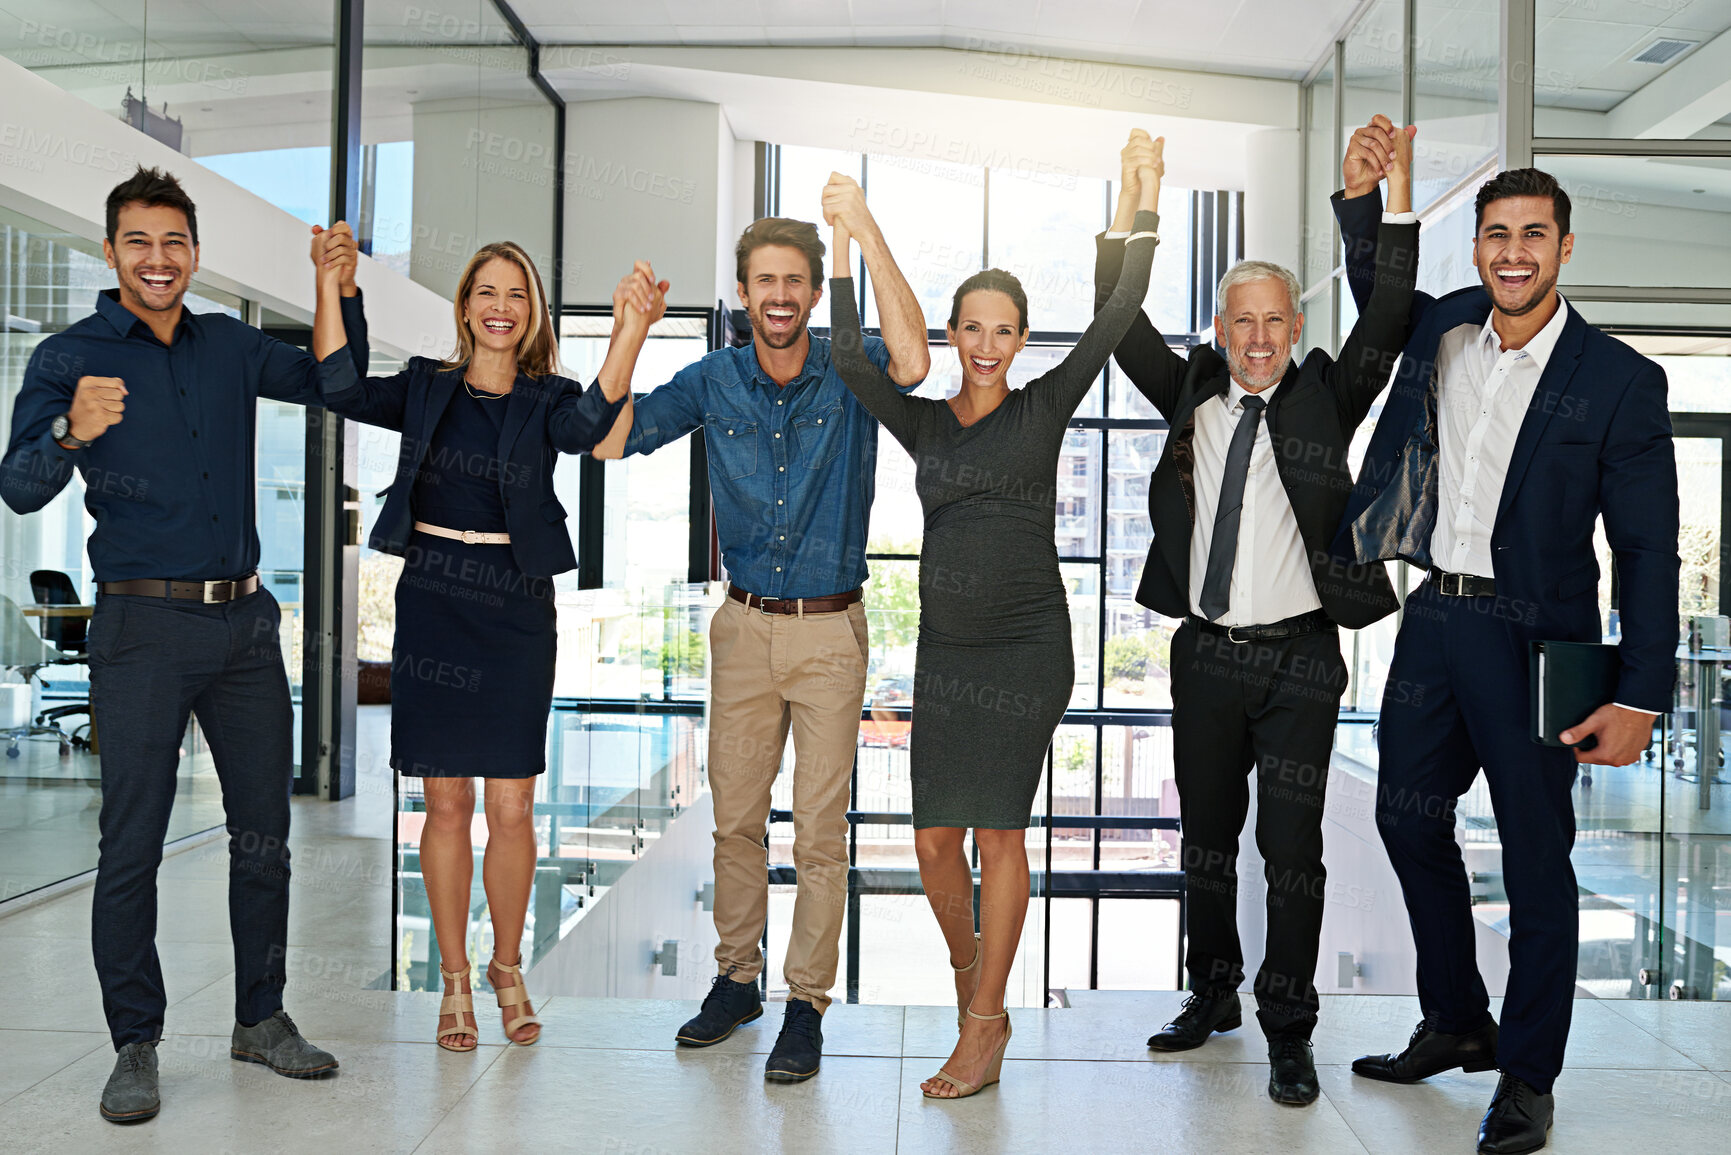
{"x": 1569, "y": 681}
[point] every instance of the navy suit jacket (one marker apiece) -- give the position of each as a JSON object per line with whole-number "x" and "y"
{"x": 1596, "y": 440}
{"x": 544, "y": 417}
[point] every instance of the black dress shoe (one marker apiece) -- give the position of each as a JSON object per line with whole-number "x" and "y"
{"x": 1519, "y": 1119}
{"x": 799, "y": 1048}
{"x": 727, "y": 1005}
{"x": 1292, "y": 1071}
{"x": 1204, "y": 1012}
{"x": 1431, "y": 1052}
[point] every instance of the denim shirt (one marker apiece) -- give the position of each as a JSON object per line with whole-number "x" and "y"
{"x": 792, "y": 469}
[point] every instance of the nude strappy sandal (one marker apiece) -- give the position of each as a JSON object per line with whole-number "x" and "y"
{"x": 993, "y": 1069}
{"x": 962, "y": 1004}
{"x": 458, "y": 1004}
{"x": 513, "y": 996}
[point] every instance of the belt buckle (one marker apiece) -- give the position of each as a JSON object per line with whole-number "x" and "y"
{"x": 210, "y": 588}
{"x": 1443, "y": 585}
{"x": 762, "y": 603}
{"x": 470, "y": 537}
{"x": 1234, "y": 638}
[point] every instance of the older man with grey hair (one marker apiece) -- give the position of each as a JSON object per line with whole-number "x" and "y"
{"x": 1244, "y": 502}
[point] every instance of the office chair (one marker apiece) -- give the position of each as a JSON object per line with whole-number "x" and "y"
{"x": 22, "y": 649}
{"x": 51, "y": 587}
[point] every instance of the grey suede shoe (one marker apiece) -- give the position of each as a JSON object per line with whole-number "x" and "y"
{"x": 278, "y": 1044}
{"x": 131, "y": 1095}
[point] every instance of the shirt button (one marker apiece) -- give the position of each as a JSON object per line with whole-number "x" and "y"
{"x": 214, "y": 517}
{"x": 777, "y": 569}
{"x": 730, "y": 433}
{"x": 207, "y": 477}
{"x": 778, "y": 437}
{"x": 778, "y": 501}
{"x": 183, "y": 393}
{"x": 781, "y": 469}
{"x": 195, "y": 433}
{"x": 820, "y": 421}
{"x": 784, "y": 537}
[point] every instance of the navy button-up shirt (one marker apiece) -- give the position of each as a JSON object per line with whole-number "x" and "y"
{"x": 172, "y": 485}
{"x": 792, "y": 468}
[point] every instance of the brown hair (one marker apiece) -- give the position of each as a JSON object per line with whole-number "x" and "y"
{"x": 153, "y": 188}
{"x": 801, "y": 235}
{"x": 1523, "y": 182}
{"x": 996, "y": 281}
{"x": 538, "y": 348}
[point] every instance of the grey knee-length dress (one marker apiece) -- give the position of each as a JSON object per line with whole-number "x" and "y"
{"x": 993, "y": 670}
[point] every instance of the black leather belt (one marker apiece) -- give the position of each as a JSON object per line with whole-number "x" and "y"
{"x": 207, "y": 592}
{"x": 828, "y": 604}
{"x": 1314, "y": 622}
{"x": 1463, "y": 585}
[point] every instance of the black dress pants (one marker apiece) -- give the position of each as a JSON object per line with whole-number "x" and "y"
{"x": 153, "y": 662}
{"x": 1271, "y": 707}
{"x": 1457, "y": 700}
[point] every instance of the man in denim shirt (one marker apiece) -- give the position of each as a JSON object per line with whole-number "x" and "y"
{"x": 792, "y": 458}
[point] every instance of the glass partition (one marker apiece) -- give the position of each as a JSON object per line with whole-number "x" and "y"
{"x": 246, "y": 94}
{"x": 457, "y": 143}
{"x": 1454, "y": 95}
{"x": 1660, "y": 221}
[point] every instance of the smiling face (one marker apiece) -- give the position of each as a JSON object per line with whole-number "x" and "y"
{"x": 987, "y": 335}
{"x": 778, "y": 294}
{"x": 1519, "y": 251}
{"x": 498, "y": 306}
{"x": 153, "y": 257}
{"x": 1260, "y": 327}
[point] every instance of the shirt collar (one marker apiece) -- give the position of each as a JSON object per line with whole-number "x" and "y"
{"x": 816, "y": 364}
{"x": 122, "y": 319}
{"x": 1236, "y": 393}
{"x": 1540, "y": 346}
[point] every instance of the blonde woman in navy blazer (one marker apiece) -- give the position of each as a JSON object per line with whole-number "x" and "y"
{"x": 473, "y": 514}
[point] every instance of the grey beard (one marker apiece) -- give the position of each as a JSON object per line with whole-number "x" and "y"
{"x": 1241, "y": 371}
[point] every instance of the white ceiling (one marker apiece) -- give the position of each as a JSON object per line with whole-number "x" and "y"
{"x": 1273, "y": 38}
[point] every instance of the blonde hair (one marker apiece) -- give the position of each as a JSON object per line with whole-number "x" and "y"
{"x": 538, "y": 348}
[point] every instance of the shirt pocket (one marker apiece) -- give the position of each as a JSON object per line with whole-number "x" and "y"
{"x": 819, "y": 435}
{"x": 731, "y": 444}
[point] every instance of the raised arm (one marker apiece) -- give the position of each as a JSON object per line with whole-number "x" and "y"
{"x": 581, "y": 418}
{"x": 1142, "y": 353}
{"x": 1069, "y": 382}
{"x": 1368, "y": 356}
{"x": 35, "y": 467}
{"x": 900, "y": 319}
{"x": 340, "y": 337}
{"x": 875, "y": 388}
{"x": 1370, "y": 154}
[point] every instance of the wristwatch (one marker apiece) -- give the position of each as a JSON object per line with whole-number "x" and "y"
{"x": 61, "y": 430}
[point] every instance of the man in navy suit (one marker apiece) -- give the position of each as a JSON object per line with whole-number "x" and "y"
{"x": 1512, "y": 425}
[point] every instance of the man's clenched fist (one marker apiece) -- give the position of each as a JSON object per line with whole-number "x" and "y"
{"x": 99, "y": 403}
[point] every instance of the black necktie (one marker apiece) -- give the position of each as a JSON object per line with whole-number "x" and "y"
{"x": 1223, "y": 549}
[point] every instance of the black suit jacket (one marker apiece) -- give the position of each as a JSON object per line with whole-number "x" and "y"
{"x": 544, "y": 417}
{"x": 1310, "y": 421}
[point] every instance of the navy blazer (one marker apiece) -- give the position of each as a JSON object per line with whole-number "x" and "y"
{"x": 544, "y": 417}
{"x": 1596, "y": 440}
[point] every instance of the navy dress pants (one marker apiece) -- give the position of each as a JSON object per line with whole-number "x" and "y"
{"x": 153, "y": 662}
{"x": 1457, "y": 701}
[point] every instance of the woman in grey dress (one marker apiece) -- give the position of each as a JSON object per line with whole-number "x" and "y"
{"x": 993, "y": 671}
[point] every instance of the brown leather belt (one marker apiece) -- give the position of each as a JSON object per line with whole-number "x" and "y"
{"x": 833, "y": 603}
{"x": 206, "y": 592}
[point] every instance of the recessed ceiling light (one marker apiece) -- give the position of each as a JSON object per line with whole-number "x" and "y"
{"x": 1698, "y": 190}
{"x": 1663, "y": 51}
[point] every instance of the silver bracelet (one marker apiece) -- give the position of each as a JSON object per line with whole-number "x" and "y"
{"x": 1139, "y": 236}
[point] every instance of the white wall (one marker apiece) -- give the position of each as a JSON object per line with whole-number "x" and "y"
{"x": 648, "y": 179}
{"x": 1271, "y": 161}
{"x": 59, "y": 156}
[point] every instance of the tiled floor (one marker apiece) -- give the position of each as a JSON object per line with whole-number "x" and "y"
{"x": 606, "y": 1077}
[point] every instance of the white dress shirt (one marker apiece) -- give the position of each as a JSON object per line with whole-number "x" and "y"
{"x": 1271, "y": 574}
{"x": 1483, "y": 394}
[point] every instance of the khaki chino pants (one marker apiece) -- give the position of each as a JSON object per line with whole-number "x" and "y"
{"x": 771, "y": 673}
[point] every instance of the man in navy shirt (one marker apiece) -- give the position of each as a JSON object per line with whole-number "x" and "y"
{"x": 155, "y": 407}
{"x": 792, "y": 458}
